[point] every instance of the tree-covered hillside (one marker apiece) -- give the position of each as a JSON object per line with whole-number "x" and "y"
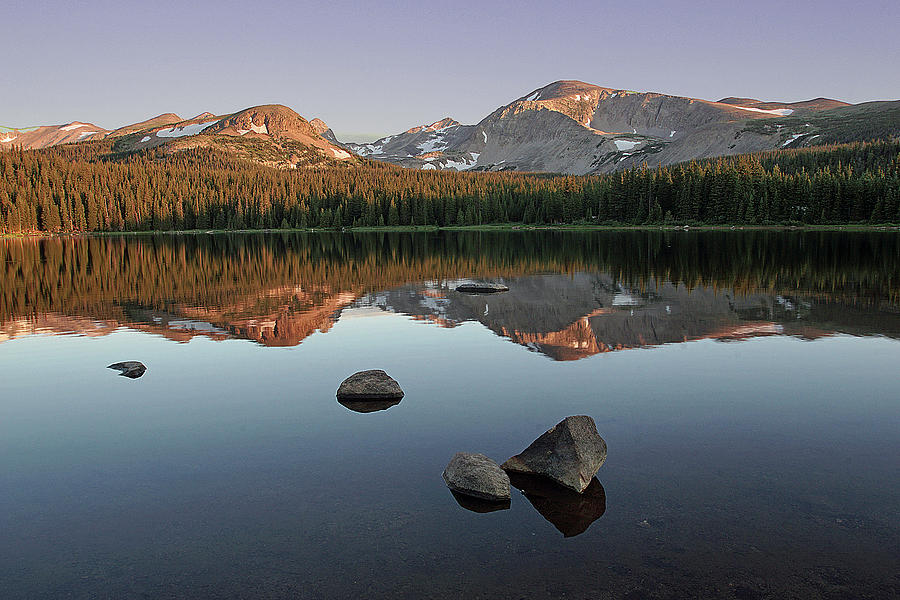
{"x": 87, "y": 187}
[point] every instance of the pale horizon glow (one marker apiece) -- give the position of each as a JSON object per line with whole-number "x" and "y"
{"x": 374, "y": 69}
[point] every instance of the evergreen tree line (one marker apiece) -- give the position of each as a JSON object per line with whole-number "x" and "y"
{"x": 84, "y": 187}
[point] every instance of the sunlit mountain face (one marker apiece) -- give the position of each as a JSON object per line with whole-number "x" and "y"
{"x": 571, "y": 295}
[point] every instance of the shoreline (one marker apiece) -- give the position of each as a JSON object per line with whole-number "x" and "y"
{"x": 510, "y": 227}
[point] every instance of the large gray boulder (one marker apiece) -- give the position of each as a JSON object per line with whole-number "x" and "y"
{"x": 568, "y": 453}
{"x": 374, "y": 384}
{"x": 129, "y": 368}
{"x": 478, "y": 476}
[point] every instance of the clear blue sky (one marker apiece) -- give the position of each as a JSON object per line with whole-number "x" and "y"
{"x": 371, "y": 68}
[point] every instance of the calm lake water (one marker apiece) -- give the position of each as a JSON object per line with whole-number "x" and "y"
{"x": 746, "y": 384}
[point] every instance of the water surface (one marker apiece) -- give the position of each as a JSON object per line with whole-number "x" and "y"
{"x": 746, "y": 384}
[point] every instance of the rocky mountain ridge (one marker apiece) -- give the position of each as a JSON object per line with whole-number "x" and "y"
{"x": 580, "y": 128}
{"x": 271, "y": 134}
{"x": 567, "y": 126}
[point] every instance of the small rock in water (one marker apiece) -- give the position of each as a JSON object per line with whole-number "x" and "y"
{"x": 568, "y": 453}
{"x": 374, "y": 384}
{"x": 481, "y": 288}
{"x": 129, "y": 368}
{"x": 478, "y": 476}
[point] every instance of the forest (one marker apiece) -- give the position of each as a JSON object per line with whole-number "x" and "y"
{"x": 87, "y": 187}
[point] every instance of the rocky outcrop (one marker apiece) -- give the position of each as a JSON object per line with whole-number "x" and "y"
{"x": 373, "y": 384}
{"x": 569, "y": 453}
{"x": 478, "y": 476}
{"x": 324, "y": 130}
{"x": 129, "y": 368}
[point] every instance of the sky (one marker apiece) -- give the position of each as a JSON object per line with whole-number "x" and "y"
{"x": 375, "y": 68}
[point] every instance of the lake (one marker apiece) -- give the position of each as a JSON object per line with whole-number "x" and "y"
{"x": 746, "y": 384}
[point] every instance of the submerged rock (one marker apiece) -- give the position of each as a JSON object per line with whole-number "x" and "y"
{"x": 570, "y": 512}
{"x": 129, "y": 368}
{"x": 374, "y": 384}
{"x": 481, "y": 288}
{"x": 478, "y": 476}
{"x": 367, "y": 406}
{"x": 569, "y": 453}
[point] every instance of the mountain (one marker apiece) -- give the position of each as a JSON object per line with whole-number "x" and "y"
{"x": 163, "y": 119}
{"x": 50, "y": 135}
{"x": 272, "y": 134}
{"x": 579, "y": 128}
{"x": 565, "y": 127}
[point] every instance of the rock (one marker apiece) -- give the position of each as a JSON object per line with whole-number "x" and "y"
{"x": 481, "y": 288}
{"x": 478, "y": 476}
{"x": 570, "y": 512}
{"x": 129, "y": 368}
{"x": 367, "y": 406}
{"x": 479, "y": 505}
{"x": 369, "y": 385}
{"x": 568, "y": 453}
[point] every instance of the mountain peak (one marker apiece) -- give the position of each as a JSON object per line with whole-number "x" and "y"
{"x": 437, "y": 125}
{"x": 319, "y": 126}
{"x": 157, "y": 121}
{"x": 267, "y": 119}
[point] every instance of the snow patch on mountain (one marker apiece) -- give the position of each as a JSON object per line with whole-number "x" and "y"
{"x": 72, "y": 126}
{"x": 192, "y": 129}
{"x": 146, "y": 138}
{"x": 254, "y": 128}
{"x": 625, "y": 144}
{"x": 338, "y": 153}
{"x": 778, "y": 112}
{"x": 369, "y": 149}
{"x": 463, "y": 165}
{"x": 434, "y": 144}
{"x": 793, "y": 139}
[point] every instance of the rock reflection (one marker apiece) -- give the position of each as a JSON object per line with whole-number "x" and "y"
{"x": 368, "y": 406}
{"x": 479, "y": 505}
{"x": 570, "y": 512}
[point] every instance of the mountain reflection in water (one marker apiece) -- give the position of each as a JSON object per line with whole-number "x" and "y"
{"x": 571, "y": 295}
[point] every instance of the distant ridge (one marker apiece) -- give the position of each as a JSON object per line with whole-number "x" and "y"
{"x": 570, "y": 126}
{"x": 567, "y": 126}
